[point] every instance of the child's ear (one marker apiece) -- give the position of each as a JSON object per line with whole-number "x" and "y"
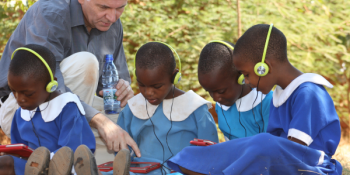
{"x": 268, "y": 62}
{"x": 55, "y": 78}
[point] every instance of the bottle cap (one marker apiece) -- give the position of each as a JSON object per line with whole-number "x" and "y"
{"x": 109, "y": 57}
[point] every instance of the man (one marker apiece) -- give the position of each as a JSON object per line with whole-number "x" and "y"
{"x": 68, "y": 28}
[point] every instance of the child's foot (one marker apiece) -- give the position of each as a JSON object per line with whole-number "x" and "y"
{"x": 121, "y": 164}
{"x": 62, "y": 161}
{"x": 84, "y": 161}
{"x": 38, "y": 162}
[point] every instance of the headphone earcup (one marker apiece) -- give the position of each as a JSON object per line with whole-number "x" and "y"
{"x": 241, "y": 80}
{"x": 177, "y": 78}
{"x": 261, "y": 69}
{"x": 52, "y": 86}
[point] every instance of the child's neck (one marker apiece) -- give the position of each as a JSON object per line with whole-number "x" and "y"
{"x": 287, "y": 74}
{"x": 246, "y": 89}
{"x": 177, "y": 92}
{"x": 53, "y": 95}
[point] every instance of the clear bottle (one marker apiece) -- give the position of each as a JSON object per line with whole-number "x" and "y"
{"x": 110, "y": 78}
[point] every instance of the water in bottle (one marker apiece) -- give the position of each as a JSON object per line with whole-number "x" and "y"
{"x": 110, "y": 79}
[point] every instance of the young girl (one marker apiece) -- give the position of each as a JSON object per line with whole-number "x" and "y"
{"x": 163, "y": 119}
{"x": 46, "y": 118}
{"x": 242, "y": 111}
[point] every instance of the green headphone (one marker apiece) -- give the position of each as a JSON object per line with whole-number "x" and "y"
{"x": 241, "y": 77}
{"x": 177, "y": 76}
{"x": 261, "y": 69}
{"x": 52, "y": 86}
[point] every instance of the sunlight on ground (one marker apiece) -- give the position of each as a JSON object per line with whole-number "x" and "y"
{"x": 343, "y": 155}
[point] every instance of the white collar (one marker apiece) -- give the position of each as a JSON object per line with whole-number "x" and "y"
{"x": 281, "y": 95}
{"x": 246, "y": 103}
{"x": 184, "y": 105}
{"x": 52, "y": 109}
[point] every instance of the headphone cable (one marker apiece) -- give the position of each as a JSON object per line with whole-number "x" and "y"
{"x": 257, "y": 94}
{"x": 239, "y": 113}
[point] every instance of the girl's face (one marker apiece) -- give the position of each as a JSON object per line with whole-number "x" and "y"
{"x": 222, "y": 87}
{"x": 29, "y": 92}
{"x": 154, "y": 84}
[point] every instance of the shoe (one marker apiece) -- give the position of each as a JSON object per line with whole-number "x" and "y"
{"x": 121, "y": 163}
{"x": 62, "y": 162}
{"x": 84, "y": 161}
{"x": 38, "y": 162}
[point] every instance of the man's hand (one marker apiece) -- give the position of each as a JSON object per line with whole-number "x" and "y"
{"x": 114, "y": 136}
{"x": 124, "y": 92}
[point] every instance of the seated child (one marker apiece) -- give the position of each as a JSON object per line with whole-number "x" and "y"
{"x": 162, "y": 119}
{"x": 46, "y": 118}
{"x": 303, "y": 131}
{"x": 237, "y": 105}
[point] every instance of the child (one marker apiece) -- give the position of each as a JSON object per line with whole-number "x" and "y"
{"x": 303, "y": 130}
{"x": 46, "y": 118}
{"x": 237, "y": 105}
{"x": 162, "y": 119}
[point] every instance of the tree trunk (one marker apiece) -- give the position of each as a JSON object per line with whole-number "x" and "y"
{"x": 239, "y": 20}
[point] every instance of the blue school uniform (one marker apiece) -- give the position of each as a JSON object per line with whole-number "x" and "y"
{"x": 57, "y": 123}
{"x": 244, "y": 118}
{"x": 190, "y": 119}
{"x": 303, "y": 110}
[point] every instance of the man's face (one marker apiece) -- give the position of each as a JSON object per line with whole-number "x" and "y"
{"x": 266, "y": 82}
{"x": 222, "y": 86}
{"x": 101, "y": 14}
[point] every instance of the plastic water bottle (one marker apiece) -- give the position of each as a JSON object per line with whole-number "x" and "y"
{"x": 110, "y": 79}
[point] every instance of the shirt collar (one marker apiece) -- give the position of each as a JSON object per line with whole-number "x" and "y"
{"x": 281, "y": 95}
{"x": 184, "y": 105}
{"x": 246, "y": 103}
{"x": 52, "y": 109}
{"x": 76, "y": 13}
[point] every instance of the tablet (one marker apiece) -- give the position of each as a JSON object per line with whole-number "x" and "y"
{"x": 19, "y": 149}
{"x": 136, "y": 167}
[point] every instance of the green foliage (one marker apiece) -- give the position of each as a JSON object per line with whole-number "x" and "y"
{"x": 317, "y": 32}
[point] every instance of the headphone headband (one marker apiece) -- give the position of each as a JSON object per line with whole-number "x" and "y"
{"x": 222, "y": 42}
{"x": 36, "y": 54}
{"x": 52, "y": 86}
{"x": 267, "y": 43}
{"x": 177, "y": 76}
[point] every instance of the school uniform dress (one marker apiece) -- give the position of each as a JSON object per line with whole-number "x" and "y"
{"x": 189, "y": 118}
{"x": 303, "y": 110}
{"x": 57, "y": 123}
{"x": 245, "y": 117}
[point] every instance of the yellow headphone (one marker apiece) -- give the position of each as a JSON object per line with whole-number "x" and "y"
{"x": 261, "y": 69}
{"x": 52, "y": 86}
{"x": 241, "y": 77}
{"x": 177, "y": 76}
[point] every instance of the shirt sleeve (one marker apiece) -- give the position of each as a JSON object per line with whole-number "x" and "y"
{"x": 74, "y": 129}
{"x": 15, "y": 136}
{"x": 309, "y": 114}
{"x": 266, "y": 109}
{"x": 205, "y": 124}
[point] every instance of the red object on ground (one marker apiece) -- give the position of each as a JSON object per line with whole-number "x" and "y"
{"x": 19, "y": 149}
{"x": 202, "y": 142}
{"x": 136, "y": 167}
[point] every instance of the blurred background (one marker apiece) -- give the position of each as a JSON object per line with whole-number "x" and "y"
{"x": 317, "y": 31}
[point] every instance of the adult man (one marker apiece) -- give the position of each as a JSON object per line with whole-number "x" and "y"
{"x": 68, "y": 28}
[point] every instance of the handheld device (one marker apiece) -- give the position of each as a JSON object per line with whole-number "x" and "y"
{"x": 19, "y": 149}
{"x": 202, "y": 142}
{"x": 136, "y": 167}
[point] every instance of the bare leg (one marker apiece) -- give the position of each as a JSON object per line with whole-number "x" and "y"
{"x": 6, "y": 165}
{"x": 188, "y": 172}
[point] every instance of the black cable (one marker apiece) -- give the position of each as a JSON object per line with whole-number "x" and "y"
{"x": 171, "y": 125}
{"x": 155, "y": 132}
{"x": 262, "y": 117}
{"x": 31, "y": 117}
{"x": 226, "y": 121}
{"x": 257, "y": 94}
{"x": 239, "y": 113}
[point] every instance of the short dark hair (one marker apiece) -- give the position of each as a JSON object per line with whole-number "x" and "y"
{"x": 25, "y": 63}
{"x": 251, "y": 44}
{"x": 216, "y": 55}
{"x": 154, "y": 54}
